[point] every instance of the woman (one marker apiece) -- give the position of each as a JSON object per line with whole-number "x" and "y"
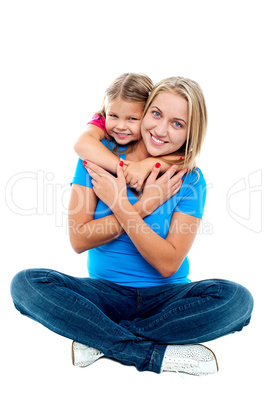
{"x": 138, "y": 306}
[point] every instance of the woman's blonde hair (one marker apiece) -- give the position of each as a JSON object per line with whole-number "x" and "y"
{"x": 129, "y": 87}
{"x": 197, "y": 116}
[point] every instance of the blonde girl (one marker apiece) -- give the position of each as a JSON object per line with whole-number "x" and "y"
{"x": 119, "y": 119}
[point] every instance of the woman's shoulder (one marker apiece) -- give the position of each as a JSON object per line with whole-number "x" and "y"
{"x": 192, "y": 196}
{"x": 195, "y": 177}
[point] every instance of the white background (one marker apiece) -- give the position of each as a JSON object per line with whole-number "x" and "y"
{"x": 57, "y": 58}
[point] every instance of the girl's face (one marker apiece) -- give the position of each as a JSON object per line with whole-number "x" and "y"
{"x": 164, "y": 127}
{"x": 123, "y": 121}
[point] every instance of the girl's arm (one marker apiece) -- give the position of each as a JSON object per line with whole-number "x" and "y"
{"x": 86, "y": 232}
{"x": 165, "y": 255}
{"x": 136, "y": 172}
{"x": 89, "y": 147}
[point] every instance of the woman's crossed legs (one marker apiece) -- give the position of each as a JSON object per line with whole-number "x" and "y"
{"x": 133, "y": 326}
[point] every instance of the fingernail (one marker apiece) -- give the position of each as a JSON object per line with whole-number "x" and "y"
{"x": 157, "y": 165}
{"x": 180, "y": 158}
{"x": 121, "y": 163}
{"x": 84, "y": 163}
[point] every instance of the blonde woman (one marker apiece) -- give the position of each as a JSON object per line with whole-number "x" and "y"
{"x": 138, "y": 305}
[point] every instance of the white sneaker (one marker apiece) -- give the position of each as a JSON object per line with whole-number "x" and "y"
{"x": 83, "y": 356}
{"x": 190, "y": 359}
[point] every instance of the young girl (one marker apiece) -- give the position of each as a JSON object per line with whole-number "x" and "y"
{"x": 120, "y": 120}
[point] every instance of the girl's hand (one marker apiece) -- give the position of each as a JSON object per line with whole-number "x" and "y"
{"x": 157, "y": 191}
{"x": 136, "y": 173}
{"x": 111, "y": 190}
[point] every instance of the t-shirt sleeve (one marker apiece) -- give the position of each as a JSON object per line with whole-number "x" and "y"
{"x": 192, "y": 194}
{"x": 98, "y": 121}
{"x": 81, "y": 175}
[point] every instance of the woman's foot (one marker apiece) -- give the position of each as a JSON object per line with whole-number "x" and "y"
{"x": 83, "y": 356}
{"x": 189, "y": 359}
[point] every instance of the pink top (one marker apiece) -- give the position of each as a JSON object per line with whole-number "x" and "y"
{"x": 98, "y": 121}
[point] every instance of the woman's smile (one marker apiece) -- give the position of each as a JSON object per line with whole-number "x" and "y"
{"x": 164, "y": 127}
{"x": 155, "y": 140}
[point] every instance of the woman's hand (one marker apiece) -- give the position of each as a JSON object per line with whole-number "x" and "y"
{"x": 111, "y": 190}
{"x": 157, "y": 191}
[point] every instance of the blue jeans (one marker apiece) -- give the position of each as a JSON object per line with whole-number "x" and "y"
{"x": 131, "y": 325}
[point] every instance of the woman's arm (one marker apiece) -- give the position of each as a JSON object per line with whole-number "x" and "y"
{"x": 165, "y": 255}
{"x": 86, "y": 232}
{"x": 89, "y": 147}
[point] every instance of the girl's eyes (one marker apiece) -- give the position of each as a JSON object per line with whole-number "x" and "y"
{"x": 114, "y": 116}
{"x": 156, "y": 114}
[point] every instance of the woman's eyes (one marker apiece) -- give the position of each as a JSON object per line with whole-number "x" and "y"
{"x": 177, "y": 124}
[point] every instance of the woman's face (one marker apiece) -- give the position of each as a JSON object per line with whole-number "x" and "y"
{"x": 164, "y": 127}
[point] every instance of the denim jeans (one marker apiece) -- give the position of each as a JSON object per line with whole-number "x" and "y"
{"x": 131, "y": 325}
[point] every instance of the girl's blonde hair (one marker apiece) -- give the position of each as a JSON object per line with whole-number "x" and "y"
{"x": 129, "y": 87}
{"x": 197, "y": 116}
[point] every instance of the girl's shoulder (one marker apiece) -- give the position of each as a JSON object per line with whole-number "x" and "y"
{"x": 98, "y": 120}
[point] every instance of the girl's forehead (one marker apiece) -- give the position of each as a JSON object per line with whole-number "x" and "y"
{"x": 123, "y": 106}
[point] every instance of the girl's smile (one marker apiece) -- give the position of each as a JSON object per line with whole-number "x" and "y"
{"x": 123, "y": 120}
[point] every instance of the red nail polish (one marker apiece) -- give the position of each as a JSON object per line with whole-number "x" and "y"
{"x": 84, "y": 163}
{"x": 180, "y": 158}
{"x": 157, "y": 165}
{"x": 121, "y": 163}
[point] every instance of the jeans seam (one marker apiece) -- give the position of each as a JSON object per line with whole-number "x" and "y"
{"x": 152, "y": 358}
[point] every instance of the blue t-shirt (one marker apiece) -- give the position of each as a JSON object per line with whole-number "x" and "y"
{"x": 119, "y": 261}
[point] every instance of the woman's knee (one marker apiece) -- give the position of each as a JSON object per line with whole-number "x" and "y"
{"x": 17, "y": 286}
{"x": 245, "y": 298}
{"x": 22, "y": 286}
{"x": 239, "y": 303}
{"x": 235, "y": 301}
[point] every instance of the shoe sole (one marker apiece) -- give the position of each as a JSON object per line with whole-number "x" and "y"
{"x": 89, "y": 362}
{"x": 72, "y": 353}
{"x": 215, "y": 358}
